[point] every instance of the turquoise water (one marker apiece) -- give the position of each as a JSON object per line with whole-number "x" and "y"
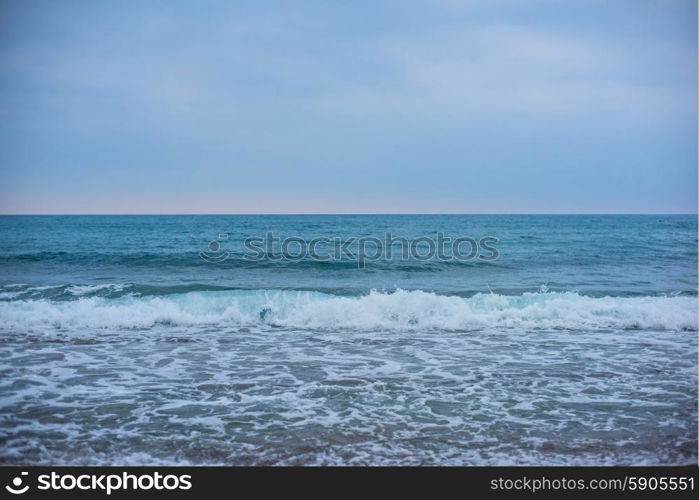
{"x": 122, "y": 345}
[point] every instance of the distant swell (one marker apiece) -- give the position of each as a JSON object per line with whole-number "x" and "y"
{"x": 400, "y": 310}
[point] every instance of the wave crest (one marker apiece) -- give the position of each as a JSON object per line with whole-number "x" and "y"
{"x": 399, "y": 310}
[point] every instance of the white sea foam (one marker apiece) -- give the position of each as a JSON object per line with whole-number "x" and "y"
{"x": 400, "y": 310}
{"x": 78, "y": 290}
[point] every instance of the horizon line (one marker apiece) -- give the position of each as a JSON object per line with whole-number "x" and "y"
{"x": 333, "y": 213}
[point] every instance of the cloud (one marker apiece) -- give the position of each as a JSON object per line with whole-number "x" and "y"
{"x": 515, "y": 70}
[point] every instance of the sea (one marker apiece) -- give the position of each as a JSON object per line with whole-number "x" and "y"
{"x": 185, "y": 340}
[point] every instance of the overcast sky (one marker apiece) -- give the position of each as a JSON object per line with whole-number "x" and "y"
{"x": 452, "y": 106}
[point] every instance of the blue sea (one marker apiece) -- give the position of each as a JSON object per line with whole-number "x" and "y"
{"x": 146, "y": 340}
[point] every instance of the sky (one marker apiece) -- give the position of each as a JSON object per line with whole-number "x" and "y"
{"x": 443, "y": 106}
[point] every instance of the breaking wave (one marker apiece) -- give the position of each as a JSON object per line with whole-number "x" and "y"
{"x": 399, "y": 310}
